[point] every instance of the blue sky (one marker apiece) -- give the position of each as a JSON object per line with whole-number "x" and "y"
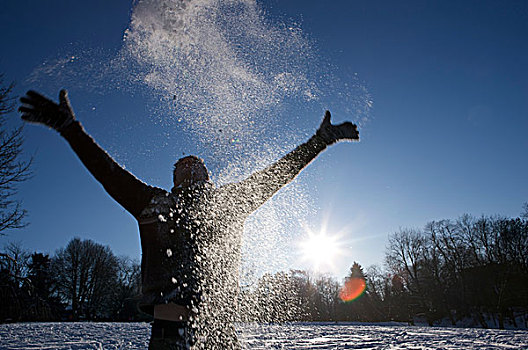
{"x": 445, "y": 135}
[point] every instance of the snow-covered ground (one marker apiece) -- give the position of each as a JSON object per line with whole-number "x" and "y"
{"x": 107, "y": 336}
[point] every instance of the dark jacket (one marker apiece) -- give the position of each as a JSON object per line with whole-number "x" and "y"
{"x": 190, "y": 237}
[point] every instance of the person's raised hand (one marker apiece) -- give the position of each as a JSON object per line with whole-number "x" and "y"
{"x": 41, "y": 110}
{"x": 332, "y": 133}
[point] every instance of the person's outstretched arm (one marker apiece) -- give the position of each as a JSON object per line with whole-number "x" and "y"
{"x": 262, "y": 185}
{"x": 121, "y": 185}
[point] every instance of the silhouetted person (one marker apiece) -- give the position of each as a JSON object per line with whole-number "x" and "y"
{"x": 190, "y": 236}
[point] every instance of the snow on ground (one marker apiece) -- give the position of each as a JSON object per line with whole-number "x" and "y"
{"x": 332, "y": 336}
{"x": 75, "y": 336}
{"x": 107, "y": 336}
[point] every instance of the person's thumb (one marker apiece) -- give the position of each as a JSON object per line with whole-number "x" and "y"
{"x": 326, "y": 119}
{"x": 63, "y": 99}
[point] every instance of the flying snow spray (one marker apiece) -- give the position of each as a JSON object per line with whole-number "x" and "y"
{"x": 244, "y": 87}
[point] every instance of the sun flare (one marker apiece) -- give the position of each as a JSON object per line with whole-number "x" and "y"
{"x": 320, "y": 249}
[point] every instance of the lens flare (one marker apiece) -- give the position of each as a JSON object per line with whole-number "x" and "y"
{"x": 353, "y": 289}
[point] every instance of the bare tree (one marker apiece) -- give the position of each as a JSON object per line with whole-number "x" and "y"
{"x": 377, "y": 282}
{"x": 13, "y": 272}
{"x": 404, "y": 254}
{"x": 13, "y": 170}
{"x": 327, "y": 297}
{"x": 86, "y": 272}
{"x": 14, "y": 260}
{"x": 127, "y": 291}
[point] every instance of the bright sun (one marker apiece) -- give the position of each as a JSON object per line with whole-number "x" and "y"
{"x": 320, "y": 249}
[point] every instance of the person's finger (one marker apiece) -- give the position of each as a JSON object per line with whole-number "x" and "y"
{"x": 29, "y": 117}
{"x": 349, "y": 125}
{"x": 353, "y": 132}
{"x": 37, "y": 97}
{"x": 27, "y": 101}
{"x": 349, "y": 130}
{"x": 327, "y": 116}
{"x": 23, "y": 109}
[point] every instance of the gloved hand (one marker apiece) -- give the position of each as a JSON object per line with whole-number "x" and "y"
{"x": 333, "y": 133}
{"x": 41, "y": 110}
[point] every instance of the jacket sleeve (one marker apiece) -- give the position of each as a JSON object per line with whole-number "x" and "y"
{"x": 122, "y": 186}
{"x": 262, "y": 185}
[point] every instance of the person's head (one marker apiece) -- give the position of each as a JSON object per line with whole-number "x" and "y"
{"x": 189, "y": 170}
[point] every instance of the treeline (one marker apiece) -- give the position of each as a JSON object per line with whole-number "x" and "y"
{"x": 471, "y": 268}
{"x": 470, "y": 271}
{"x": 82, "y": 281}
{"x": 301, "y": 296}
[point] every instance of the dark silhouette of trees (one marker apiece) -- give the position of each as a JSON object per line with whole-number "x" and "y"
{"x": 305, "y": 295}
{"x": 13, "y": 265}
{"x": 13, "y": 170}
{"x": 84, "y": 280}
{"x": 467, "y": 268}
{"x": 354, "y": 308}
{"x": 125, "y": 295}
{"x": 40, "y": 275}
{"x": 290, "y": 296}
{"x": 362, "y": 295}
{"x": 327, "y": 298}
{"x": 85, "y": 274}
{"x": 40, "y": 304}
{"x": 470, "y": 268}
